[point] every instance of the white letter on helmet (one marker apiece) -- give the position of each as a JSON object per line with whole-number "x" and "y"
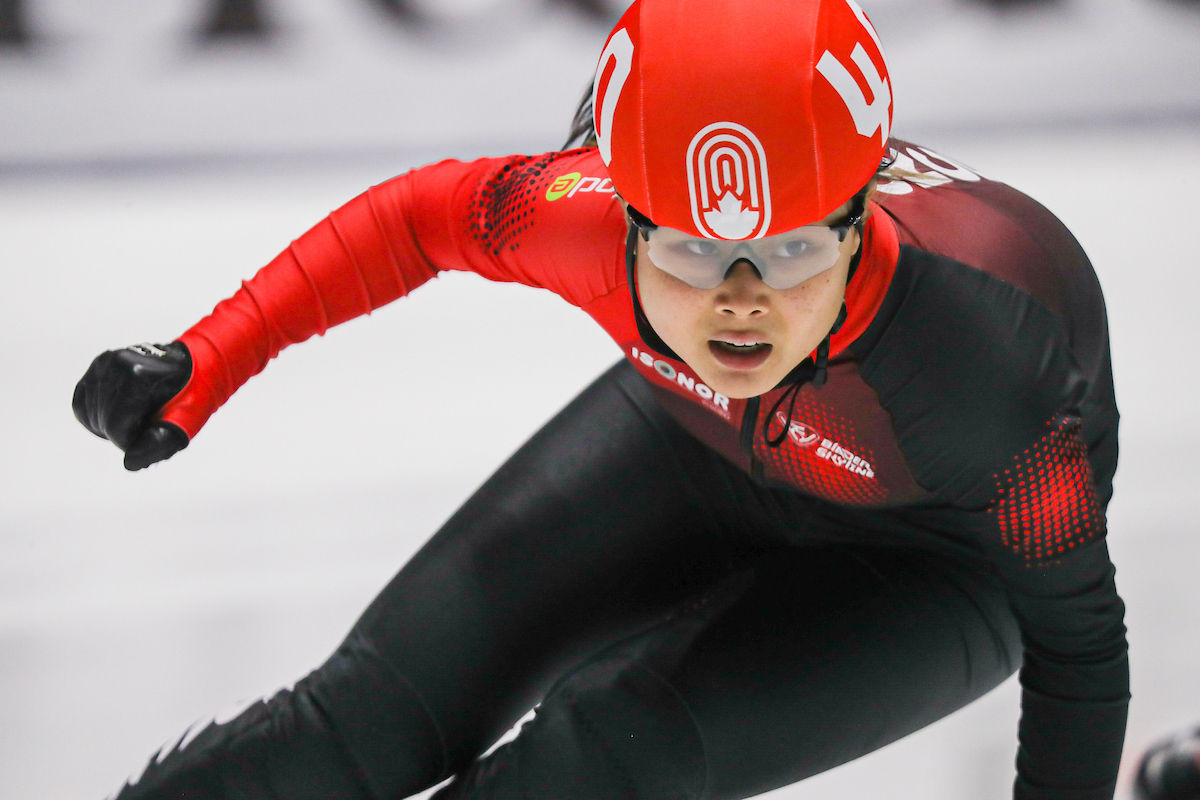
{"x": 620, "y": 48}
{"x": 868, "y": 117}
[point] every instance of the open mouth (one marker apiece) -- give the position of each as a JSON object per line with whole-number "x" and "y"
{"x": 739, "y": 356}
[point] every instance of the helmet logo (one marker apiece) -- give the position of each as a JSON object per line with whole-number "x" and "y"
{"x": 727, "y": 182}
{"x": 618, "y": 55}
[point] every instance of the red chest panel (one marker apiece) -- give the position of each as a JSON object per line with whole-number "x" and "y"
{"x": 840, "y": 444}
{"x": 840, "y": 447}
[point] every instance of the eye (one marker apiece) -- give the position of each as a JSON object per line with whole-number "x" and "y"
{"x": 793, "y": 248}
{"x": 700, "y": 247}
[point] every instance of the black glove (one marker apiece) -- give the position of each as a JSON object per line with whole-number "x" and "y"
{"x": 1170, "y": 769}
{"x": 123, "y": 390}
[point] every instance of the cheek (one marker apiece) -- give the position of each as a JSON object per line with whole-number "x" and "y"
{"x": 671, "y": 305}
{"x": 810, "y": 304}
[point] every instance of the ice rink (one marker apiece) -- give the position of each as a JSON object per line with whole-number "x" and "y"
{"x": 133, "y": 604}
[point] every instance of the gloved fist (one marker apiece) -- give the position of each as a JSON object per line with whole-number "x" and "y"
{"x": 121, "y": 394}
{"x": 1170, "y": 769}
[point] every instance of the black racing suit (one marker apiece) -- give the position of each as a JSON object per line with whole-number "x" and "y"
{"x": 702, "y": 613}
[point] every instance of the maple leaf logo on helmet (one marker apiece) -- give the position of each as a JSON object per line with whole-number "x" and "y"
{"x": 727, "y": 182}
{"x": 731, "y": 220}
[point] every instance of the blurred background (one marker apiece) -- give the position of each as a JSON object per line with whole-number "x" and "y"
{"x": 155, "y": 152}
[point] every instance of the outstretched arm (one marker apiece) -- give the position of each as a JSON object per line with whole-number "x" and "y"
{"x": 494, "y": 217}
{"x": 362, "y": 256}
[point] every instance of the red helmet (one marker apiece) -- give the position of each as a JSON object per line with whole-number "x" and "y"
{"x": 737, "y": 119}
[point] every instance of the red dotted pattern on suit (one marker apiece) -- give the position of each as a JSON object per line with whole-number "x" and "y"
{"x": 811, "y": 467}
{"x": 504, "y": 206}
{"x": 1047, "y": 502}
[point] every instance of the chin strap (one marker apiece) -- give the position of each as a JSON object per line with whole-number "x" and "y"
{"x": 645, "y": 330}
{"x": 815, "y": 371}
{"x": 821, "y": 362}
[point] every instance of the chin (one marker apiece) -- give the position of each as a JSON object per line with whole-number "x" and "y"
{"x": 738, "y": 385}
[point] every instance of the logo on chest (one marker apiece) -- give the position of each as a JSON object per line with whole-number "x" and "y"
{"x": 806, "y": 436}
{"x": 839, "y": 456}
{"x": 800, "y": 433}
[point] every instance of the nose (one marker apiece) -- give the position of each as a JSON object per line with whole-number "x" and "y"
{"x": 742, "y": 293}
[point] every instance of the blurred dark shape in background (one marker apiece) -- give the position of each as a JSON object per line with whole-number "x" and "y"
{"x": 1020, "y": 4}
{"x": 604, "y": 10}
{"x": 400, "y": 9}
{"x": 410, "y": 12}
{"x": 14, "y": 28}
{"x": 236, "y": 19}
{"x": 249, "y": 19}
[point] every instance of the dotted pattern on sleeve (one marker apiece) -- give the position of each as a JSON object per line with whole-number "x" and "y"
{"x": 1047, "y": 503}
{"x": 505, "y": 205}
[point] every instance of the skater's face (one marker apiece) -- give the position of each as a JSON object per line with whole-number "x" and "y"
{"x": 742, "y": 337}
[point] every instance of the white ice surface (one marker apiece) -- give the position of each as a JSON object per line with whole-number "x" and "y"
{"x": 133, "y": 604}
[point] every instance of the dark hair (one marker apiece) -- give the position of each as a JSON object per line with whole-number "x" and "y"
{"x": 583, "y": 126}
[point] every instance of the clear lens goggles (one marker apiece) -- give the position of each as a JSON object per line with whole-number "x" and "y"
{"x": 783, "y": 260}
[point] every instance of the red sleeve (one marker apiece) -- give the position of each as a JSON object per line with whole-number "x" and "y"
{"x": 505, "y": 219}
